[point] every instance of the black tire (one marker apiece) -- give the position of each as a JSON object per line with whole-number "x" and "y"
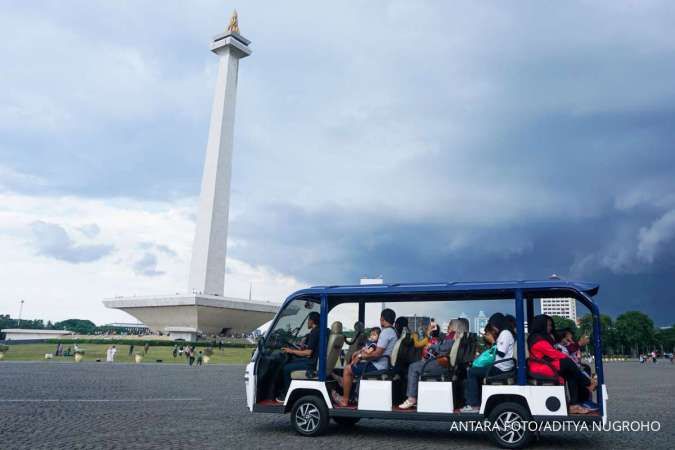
{"x": 346, "y": 421}
{"x": 513, "y": 433}
{"x": 309, "y": 416}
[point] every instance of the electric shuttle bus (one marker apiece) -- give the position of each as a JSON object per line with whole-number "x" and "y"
{"x": 515, "y": 403}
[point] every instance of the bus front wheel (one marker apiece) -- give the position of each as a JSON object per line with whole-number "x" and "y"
{"x": 309, "y": 416}
{"x": 509, "y": 427}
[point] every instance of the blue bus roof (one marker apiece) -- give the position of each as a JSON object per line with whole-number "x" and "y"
{"x": 478, "y": 287}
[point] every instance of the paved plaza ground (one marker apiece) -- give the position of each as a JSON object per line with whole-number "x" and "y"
{"x": 159, "y": 406}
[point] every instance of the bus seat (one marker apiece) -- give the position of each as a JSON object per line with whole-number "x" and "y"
{"x": 335, "y": 341}
{"x": 448, "y": 375}
{"x": 502, "y": 377}
{"x": 391, "y": 372}
{"x": 454, "y": 351}
{"x": 356, "y": 342}
{"x": 542, "y": 380}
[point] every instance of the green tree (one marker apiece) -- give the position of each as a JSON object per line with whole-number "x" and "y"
{"x": 665, "y": 339}
{"x": 561, "y": 323}
{"x": 33, "y": 324}
{"x": 607, "y": 332}
{"x": 635, "y": 332}
{"x": 79, "y": 326}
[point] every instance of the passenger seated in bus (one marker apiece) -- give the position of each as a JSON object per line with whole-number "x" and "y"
{"x": 429, "y": 336}
{"x": 505, "y": 341}
{"x": 368, "y": 348}
{"x": 543, "y": 352}
{"x": 377, "y": 360}
{"x": 481, "y": 365}
{"x": 371, "y": 343}
{"x": 574, "y": 350}
{"x": 399, "y": 325}
{"x": 511, "y": 321}
{"x": 423, "y": 338}
{"x": 304, "y": 357}
{"x": 428, "y": 363}
{"x": 563, "y": 338}
{"x": 565, "y": 342}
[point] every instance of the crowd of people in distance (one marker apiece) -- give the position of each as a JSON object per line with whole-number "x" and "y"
{"x": 653, "y": 357}
{"x": 553, "y": 354}
{"x": 192, "y": 355}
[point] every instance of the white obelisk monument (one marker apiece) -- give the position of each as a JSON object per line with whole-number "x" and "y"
{"x": 207, "y": 268}
{"x": 205, "y": 311}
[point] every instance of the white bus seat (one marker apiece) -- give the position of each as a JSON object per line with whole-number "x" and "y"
{"x": 357, "y": 342}
{"x": 449, "y": 373}
{"x": 390, "y": 372}
{"x": 335, "y": 341}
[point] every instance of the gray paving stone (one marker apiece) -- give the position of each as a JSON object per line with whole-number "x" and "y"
{"x": 212, "y": 414}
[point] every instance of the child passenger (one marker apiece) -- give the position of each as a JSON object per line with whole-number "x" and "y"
{"x": 372, "y": 340}
{"x": 371, "y": 343}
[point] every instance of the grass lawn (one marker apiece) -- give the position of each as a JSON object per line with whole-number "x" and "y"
{"x": 36, "y": 352}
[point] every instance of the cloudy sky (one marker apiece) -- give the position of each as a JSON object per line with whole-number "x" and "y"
{"x": 417, "y": 140}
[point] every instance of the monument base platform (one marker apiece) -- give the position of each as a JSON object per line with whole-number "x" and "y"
{"x": 201, "y": 314}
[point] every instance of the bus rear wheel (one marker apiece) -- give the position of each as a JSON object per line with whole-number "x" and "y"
{"x": 509, "y": 427}
{"x": 309, "y": 416}
{"x": 346, "y": 421}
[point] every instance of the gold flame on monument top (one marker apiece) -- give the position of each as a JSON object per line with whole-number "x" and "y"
{"x": 233, "y": 26}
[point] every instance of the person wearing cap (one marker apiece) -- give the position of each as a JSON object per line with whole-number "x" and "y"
{"x": 378, "y": 359}
{"x": 304, "y": 357}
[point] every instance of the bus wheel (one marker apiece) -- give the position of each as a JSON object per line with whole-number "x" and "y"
{"x": 309, "y": 416}
{"x": 346, "y": 421}
{"x": 509, "y": 427}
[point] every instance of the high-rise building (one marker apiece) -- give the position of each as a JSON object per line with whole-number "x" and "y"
{"x": 562, "y": 307}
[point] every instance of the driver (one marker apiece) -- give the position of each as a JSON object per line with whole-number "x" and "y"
{"x": 305, "y": 356}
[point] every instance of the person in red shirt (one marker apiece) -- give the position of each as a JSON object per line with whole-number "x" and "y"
{"x": 545, "y": 360}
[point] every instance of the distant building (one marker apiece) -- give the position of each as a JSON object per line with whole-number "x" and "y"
{"x": 562, "y": 307}
{"x": 23, "y": 334}
{"x": 479, "y": 323}
{"x": 416, "y": 322}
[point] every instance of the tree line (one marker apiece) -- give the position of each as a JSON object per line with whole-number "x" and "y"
{"x": 79, "y": 326}
{"x": 631, "y": 333}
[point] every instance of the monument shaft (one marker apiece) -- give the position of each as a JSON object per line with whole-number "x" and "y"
{"x": 207, "y": 268}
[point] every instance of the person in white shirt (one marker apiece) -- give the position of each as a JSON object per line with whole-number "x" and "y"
{"x": 499, "y": 332}
{"x": 110, "y": 354}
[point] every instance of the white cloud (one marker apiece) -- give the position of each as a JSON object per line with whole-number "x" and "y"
{"x": 651, "y": 239}
{"x": 53, "y": 241}
{"x": 56, "y": 289}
